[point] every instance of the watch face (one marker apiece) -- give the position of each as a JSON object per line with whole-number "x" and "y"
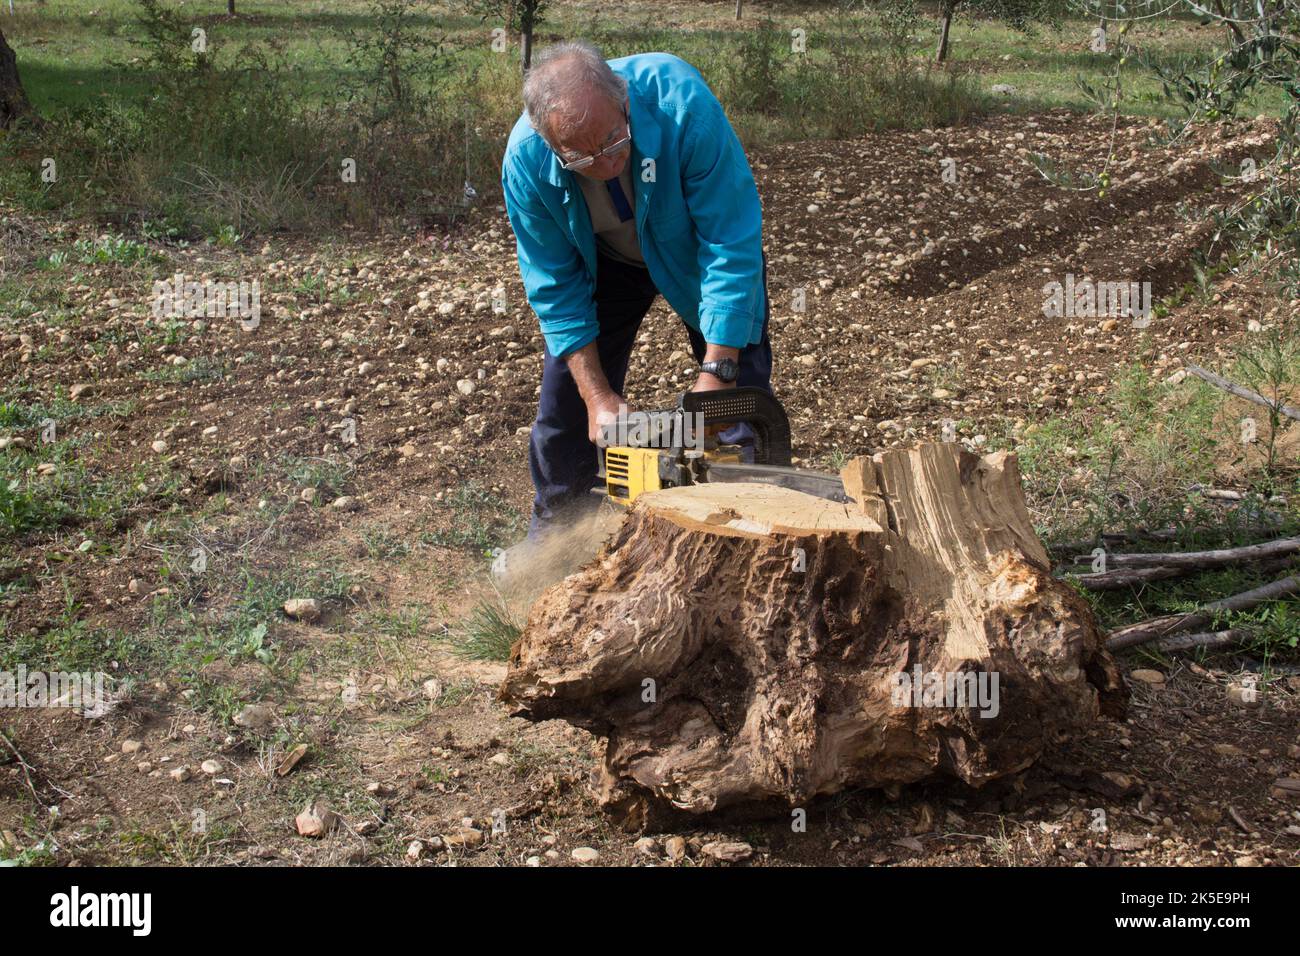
{"x": 726, "y": 369}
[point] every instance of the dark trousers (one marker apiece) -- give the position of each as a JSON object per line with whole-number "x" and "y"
{"x": 563, "y": 461}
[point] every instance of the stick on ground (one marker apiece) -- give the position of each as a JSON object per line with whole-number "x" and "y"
{"x": 1158, "y": 627}
{"x": 1242, "y": 392}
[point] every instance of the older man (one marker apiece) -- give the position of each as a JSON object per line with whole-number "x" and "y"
{"x": 623, "y": 179}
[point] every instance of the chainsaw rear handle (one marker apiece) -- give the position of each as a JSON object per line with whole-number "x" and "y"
{"x": 756, "y": 407}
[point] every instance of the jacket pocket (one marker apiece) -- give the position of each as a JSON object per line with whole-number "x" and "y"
{"x": 669, "y": 225}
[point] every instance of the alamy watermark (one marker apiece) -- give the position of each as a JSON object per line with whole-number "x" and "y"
{"x": 179, "y": 298}
{"x": 1086, "y": 299}
{"x": 76, "y": 690}
{"x": 664, "y": 429}
{"x": 951, "y": 689}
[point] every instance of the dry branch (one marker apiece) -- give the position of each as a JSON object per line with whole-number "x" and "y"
{"x": 1242, "y": 392}
{"x": 1158, "y": 627}
{"x": 1210, "y": 640}
{"x": 1198, "y": 560}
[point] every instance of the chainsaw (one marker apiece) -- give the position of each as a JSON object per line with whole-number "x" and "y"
{"x": 673, "y": 448}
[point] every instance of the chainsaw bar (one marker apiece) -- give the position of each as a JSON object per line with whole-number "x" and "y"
{"x": 816, "y": 483}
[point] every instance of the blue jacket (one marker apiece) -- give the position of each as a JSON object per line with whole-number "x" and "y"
{"x": 698, "y": 217}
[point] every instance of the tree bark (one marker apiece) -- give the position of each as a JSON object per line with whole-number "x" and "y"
{"x": 13, "y": 98}
{"x": 743, "y": 643}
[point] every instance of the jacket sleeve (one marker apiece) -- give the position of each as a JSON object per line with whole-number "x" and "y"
{"x": 555, "y": 279}
{"x": 722, "y": 197}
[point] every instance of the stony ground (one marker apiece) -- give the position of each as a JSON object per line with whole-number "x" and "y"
{"x": 365, "y": 445}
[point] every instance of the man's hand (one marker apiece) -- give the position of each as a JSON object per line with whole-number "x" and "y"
{"x": 602, "y": 401}
{"x": 602, "y": 409}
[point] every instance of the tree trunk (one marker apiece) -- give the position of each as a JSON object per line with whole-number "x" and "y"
{"x": 739, "y": 3}
{"x": 525, "y": 43}
{"x": 13, "y": 99}
{"x": 743, "y": 643}
{"x": 945, "y": 24}
{"x": 230, "y": 7}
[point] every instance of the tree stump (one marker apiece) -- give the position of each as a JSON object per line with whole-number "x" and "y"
{"x": 743, "y": 643}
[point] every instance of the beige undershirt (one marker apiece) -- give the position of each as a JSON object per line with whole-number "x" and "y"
{"x": 613, "y": 238}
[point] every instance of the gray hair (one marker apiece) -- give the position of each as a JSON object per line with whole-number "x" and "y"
{"x": 558, "y": 78}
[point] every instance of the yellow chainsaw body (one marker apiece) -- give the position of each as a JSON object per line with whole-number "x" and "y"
{"x": 631, "y": 472}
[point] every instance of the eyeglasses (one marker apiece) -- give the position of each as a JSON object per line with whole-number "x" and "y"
{"x": 616, "y": 147}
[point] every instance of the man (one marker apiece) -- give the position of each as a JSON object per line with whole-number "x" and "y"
{"x": 623, "y": 180}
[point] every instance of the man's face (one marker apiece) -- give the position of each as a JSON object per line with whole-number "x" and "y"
{"x": 603, "y": 125}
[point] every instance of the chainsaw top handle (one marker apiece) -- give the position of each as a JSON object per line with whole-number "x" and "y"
{"x": 756, "y": 407}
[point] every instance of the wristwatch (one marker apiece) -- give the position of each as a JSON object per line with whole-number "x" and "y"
{"x": 725, "y": 369}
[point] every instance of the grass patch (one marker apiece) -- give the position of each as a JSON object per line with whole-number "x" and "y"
{"x": 477, "y": 519}
{"x": 486, "y": 634}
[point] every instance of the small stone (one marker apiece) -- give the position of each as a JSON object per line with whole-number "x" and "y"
{"x": 316, "y": 820}
{"x": 144, "y": 766}
{"x": 255, "y": 717}
{"x": 1148, "y": 676}
{"x": 302, "y": 609}
{"x": 465, "y": 837}
{"x": 1245, "y": 861}
{"x": 585, "y": 855}
{"x": 465, "y": 386}
{"x": 415, "y": 850}
{"x": 533, "y": 861}
{"x": 726, "y": 852}
{"x": 159, "y": 446}
{"x": 1244, "y": 695}
{"x": 308, "y": 495}
{"x": 500, "y": 759}
{"x": 675, "y": 848}
{"x": 180, "y": 774}
{"x": 646, "y": 846}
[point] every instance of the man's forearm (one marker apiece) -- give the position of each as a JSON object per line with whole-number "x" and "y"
{"x": 584, "y": 366}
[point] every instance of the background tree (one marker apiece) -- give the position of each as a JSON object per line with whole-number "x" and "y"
{"x": 13, "y": 99}
{"x": 1021, "y": 15}
{"x": 522, "y": 15}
